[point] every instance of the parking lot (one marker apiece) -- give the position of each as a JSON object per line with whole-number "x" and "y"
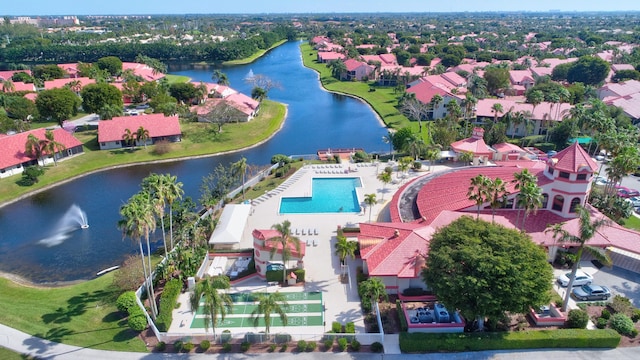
{"x": 619, "y": 281}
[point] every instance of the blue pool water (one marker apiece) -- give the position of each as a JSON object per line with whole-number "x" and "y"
{"x": 329, "y": 195}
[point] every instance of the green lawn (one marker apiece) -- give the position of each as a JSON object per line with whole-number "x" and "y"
{"x": 632, "y": 223}
{"x": 6, "y": 354}
{"x": 82, "y": 315}
{"x": 253, "y": 57}
{"x": 197, "y": 140}
{"x": 177, "y": 78}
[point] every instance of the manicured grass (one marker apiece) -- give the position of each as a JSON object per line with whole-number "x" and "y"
{"x": 632, "y": 223}
{"x": 197, "y": 140}
{"x": 383, "y": 100}
{"x": 82, "y": 315}
{"x": 6, "y": 354}
{"x": 177, "y": 78}
{"x": 253, "y": 57}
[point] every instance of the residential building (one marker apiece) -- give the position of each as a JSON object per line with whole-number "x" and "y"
{"x": 160, "y": 127}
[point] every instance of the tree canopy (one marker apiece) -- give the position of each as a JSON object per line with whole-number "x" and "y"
{"x": 97, "y": 96}
{"x": 589, "y": 70}
{"x": 57, "y": 104}
{"x": 485, "y": 269}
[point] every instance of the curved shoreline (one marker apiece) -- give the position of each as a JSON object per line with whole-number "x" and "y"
{"x": 51, "y": 186}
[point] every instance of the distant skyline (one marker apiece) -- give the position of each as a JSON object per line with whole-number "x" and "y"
{"x": 134, "y": 7}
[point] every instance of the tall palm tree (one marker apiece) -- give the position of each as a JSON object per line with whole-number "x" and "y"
{"x": 432, "y": 153}
{"x": 142, "y": 135}
{"x": 285, "y": 240}
{"x": 129, "y": 138}
{"x": 51, "y": 146}
{"x": 496, "y": 109}
{"x": 173, "y": 192}
{"x": 138, "y": 221}
{"x": 267, "y": 305}
{"x": 338, "y": 68}
{"x": 385, "y": 178}
{"x": 497, "y": 195}
{"x": 388, "y": 139}
{"x": 465, "y": 157}
{"x": 109, "y": 111}
{"x": 530, "y": 198}
{"x": 479, "y": 191}
{"x": 370, "y": 200}
{"x": 220, "y": 78}
{"x": 521, "y": 179}
{"x": 435, "y": 102}
{"x": 414, "y": 146}
{"x": 586, "y": 232}
{"x": 239, "y": 169}
{"x": 216, "y": 303}
{"x": 372, "y": 290}
{"x": 258, "y": 93}
{"x": 155, "y": 185}
{"x": 33, "y": 148}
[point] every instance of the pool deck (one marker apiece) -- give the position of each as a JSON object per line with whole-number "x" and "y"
{"x": 341, "y": 301}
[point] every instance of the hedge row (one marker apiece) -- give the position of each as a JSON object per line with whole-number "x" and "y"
{"x": 276, "y": 275}
{"x": 404, "y": 326}
{"x": 536, "y": 339}
{"x": 168, "y": 302}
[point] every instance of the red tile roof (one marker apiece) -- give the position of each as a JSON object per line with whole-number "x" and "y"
{"x": 157, "y": 124}
{"x": 267, "y": 235}
{"x": 507, "y": 147}
{"x": 543, "y": 111}
{"x": 243, "y": 103}
{"x": 473, "y": 145}
{"x": 13, "y": 146}
{"x": 21, "y": 86}
{"x": 60, "y": 83}
{"x": 8, "y": 74}
{"x": 573, "y": 159}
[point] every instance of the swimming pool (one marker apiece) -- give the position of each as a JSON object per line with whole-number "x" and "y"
{"x": 329, "y": 195}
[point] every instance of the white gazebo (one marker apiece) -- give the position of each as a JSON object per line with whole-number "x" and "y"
{"x": 230, "y": 228}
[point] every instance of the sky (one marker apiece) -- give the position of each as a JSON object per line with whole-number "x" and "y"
{"x": 130, "y": 7}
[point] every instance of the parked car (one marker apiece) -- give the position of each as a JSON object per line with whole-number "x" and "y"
{"x": 601, "y": 181}
{"x": 591, "y": 293}
{"x": 582, "y": 278}
{"x": 627, "y": 193}
{"x": 634, "y": 201}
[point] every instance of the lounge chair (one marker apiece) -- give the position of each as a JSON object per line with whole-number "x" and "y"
{"x": 315, "y": 231}
{"x": 304, "y": 232}
{"x": 310, "y": 232}
{"x": 315, "y": 242}
{"x": 308, "y": 242}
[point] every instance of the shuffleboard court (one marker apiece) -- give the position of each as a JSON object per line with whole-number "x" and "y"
{"x": 299, "y": 303}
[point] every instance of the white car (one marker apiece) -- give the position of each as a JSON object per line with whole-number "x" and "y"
{"x": 600, "y": 181}
{"x": 582, "y": 278}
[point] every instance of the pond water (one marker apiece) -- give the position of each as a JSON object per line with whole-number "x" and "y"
{"x": 33, "y": 246}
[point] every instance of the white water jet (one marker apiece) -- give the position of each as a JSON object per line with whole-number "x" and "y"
{"x": 72, "y": 220}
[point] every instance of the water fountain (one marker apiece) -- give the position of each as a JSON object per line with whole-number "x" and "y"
{"x": 73, "y": 219}
{"x": 249, "y": 75}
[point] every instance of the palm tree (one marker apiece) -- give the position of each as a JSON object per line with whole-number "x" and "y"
{"x": 497, "y": 195}
{"x": 173, "y": 191}
{"x": 220, "y": 78}
{"x": 239, "y": 169}
{"x": 345, "y": 248}
{"x": 521, "y": 179}
{"x": 268, "y": 304}
{"x": 338, "y": 68}
{"x": 432, "y": 153}
{"x": 414, "y": 146}
{"x": 370, "y": 200}
{"x": 216, "y": 303}
{"x": 465, "y": 157}
{"x": 285, "y": 240}
{"x": 138, "y": 221}
{"x": 388, "y": 139}
{"x": 129, "y": 138}
{"x": 258, "y": 93}
{"x": 109, "y": 111}
{"x": 587, "y": 230}
{"x": 385, "y": 178}
{"x": 8, "y": 86}
{"x": 142, "y": 135}
{"x": 530, "y": 197}
{"x": 496, "y": 109}
{"x": 479, "y": 191}
{"x": 33, "y": 148}
{"x": 155, "y": 185}
{"x": 435, "y": 102}
{"x": 51, "y": 146}
{"x": 372, "y": 290}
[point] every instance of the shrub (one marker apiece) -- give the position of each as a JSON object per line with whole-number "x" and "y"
{"x": 328, "y": 344}
{"x": 415, "y": 291}
{"x": 336, "y": 327}
{"x": 282, "y": 338}
{"x": 245, "y": 346}
{"x": 300, "y": 273}
{"x": 577, "y": 319}
{"x": 342, "y": 344}
{"x": 137, "y": 322}
{"x": 161, "y": 346}
{"x": 284, "y": 347}
{"x": 311, "y": 346}
{"x": 350, "y": 328}
{"x": 404, "y": 326}
{"x": 225, "y": 337}
{"x": 355, "y": 345}
{"x": 167, "y": 303}
{"x": 205, "y": 345}
{"x": 634, "y": 333}
{"x": 621, "y": 304}
{"x": 126, "y": 301}
{"x": 377, "y": 347}
{"x": 601, "y": 323}
{"x": 622, "y": 324}
{"x": 178, "y": 345}
{"x": 280, "y": 158}
{"x": 388, "y": 169}
{"x": 302, "y": 345}
{"x": 162, "y": 147}
{"x": 635, "y": 315}
{"x": 226, "y": 347}
{"x": 606, "y": 314}
{"x": 417, "y": 165}
{"x": 188, "y": 346}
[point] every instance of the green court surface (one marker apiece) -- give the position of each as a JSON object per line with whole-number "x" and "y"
{"x": 237, "y": 309}
{"x": 245, "y": 303}
{"x": 232, "y": 322}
